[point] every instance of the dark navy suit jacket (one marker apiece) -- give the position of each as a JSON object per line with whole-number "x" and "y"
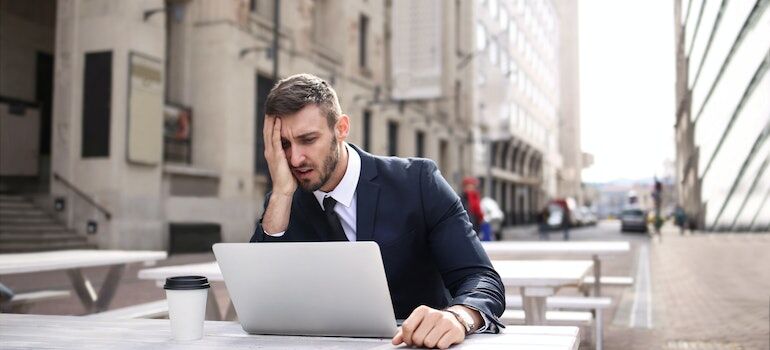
{"x": 429, "y": 250}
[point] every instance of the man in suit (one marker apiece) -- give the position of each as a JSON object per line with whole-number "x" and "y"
{"x": 324, "y": 189}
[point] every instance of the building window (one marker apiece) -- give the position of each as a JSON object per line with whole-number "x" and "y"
{"x": 493, "y": 7}
{"x": 176, "y": 45}
{"x": 392, "y": 138}
{"x": 177, "y": 134}
{"x": 443, "y": 156}
{"x": 513, "y": 32}
{"x": 264, "y": 84}
{"x": 461, "y": 157}
{"x": 363, "y": 32}
{"x": 367, "y": 130}
{"x": 513, "y": 70}
{"x": 97, "y": 104}
{"x": 494, "y": 52}
{"x": 264, "y": 8}
{"x": 458, "y": 18}
{"x": 481, "y": 37}
{"x": 505, "y": 63}
{"x": 458, "y": 92}
{"x": 419, "y": 143}
{"x": 325, "y": 25}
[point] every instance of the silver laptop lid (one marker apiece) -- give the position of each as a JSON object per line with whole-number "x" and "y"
{"x": 321, "y": 289}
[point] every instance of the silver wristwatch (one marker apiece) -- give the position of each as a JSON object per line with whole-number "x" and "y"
{"x": 467, "y": 322}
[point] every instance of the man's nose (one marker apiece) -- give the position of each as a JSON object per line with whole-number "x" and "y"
{"x": 296, "y": 156}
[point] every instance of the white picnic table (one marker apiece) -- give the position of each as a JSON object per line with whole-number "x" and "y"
{"x": 539, "y": 279}
{"x": 209, "y": 270}
{"x": 511, "y": 250}
{"x": 73, "y": 332}
{"x": 73, "y": 262}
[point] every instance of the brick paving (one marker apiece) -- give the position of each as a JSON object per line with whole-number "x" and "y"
{"x": 709, "y": 291}
{"x": 712, "y": 291}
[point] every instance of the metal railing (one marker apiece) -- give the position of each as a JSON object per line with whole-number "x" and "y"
{"x": 83, "y": 195}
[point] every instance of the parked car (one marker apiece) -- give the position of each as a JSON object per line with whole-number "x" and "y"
{"x": 555, "y": 214}
{"x": 493, "y": 215}
{"x": 587, "y": 216}
{"x": 633, "y": 220}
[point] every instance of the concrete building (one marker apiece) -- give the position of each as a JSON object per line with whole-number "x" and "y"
{"x": 574, "y": 160}
{"x": 521, "y": 113}
{"x": 141, "y": 121}
{"x": 138, "y": 124}
{"x": 723, "y": 113}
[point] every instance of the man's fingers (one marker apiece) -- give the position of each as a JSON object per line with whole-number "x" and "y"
{"x": 267, "y": 136}
{"x": 429, "y": 322}
{"x": 431, "y": 340}
{"x": 399, "y": 338}
{"x": 412, "y": 323}
{"x": 277, "y": 136}
{"x": 449, "y": 338}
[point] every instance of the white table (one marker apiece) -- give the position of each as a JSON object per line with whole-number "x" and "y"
{"x": 72, "y": 332}
{"x": 209, "y": 270}
{"x": 509, "y": 250}
{"x": 539, "y": 279}
{"x": 73, "y": 261}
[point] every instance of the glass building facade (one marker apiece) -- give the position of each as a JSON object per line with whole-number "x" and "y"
{"x": 723, "y": 115}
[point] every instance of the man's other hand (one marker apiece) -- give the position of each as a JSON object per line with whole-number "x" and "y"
{"x": 430, "y": 328}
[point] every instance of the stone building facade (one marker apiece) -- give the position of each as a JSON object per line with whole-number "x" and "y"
{"x": 144, "y": 118}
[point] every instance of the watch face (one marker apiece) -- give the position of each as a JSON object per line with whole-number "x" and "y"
{"x": 465, "y": 322}
{"x": 470, "y": 326}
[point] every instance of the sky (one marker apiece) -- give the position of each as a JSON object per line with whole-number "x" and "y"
{"x": 627, "y": 76}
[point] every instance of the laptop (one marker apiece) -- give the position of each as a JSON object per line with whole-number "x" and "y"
{"x": 315, "y": 289}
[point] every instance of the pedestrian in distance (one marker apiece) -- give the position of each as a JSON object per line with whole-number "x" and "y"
{"x": 542, "y": 223}
{"x": 565, "y": 223}
{"x": 471, "y": 200}
{"x": 680, "y": 218}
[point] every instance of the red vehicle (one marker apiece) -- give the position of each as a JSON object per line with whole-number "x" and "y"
{"x": 557, "y": 209}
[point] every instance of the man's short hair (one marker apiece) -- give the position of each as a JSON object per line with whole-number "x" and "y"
{"x": 296, "y": 92}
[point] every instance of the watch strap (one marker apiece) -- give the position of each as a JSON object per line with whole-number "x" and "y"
{"x": 468, "y": 327}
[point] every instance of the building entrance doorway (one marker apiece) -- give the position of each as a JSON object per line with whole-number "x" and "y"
{"x": 28, "y": 32}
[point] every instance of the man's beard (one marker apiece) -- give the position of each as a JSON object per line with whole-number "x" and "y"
{"x": 329, "y": 164}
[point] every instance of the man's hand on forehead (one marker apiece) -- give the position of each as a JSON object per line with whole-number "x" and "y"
{"x": 280, "y": 173}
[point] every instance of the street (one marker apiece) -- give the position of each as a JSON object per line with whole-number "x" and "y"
{"x": 698, "y": 291}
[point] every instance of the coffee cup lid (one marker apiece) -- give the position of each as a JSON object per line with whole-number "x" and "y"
{"x": 186, "y": 283}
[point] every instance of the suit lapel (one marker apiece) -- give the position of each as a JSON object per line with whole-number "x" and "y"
{"x": 367, "y": 194}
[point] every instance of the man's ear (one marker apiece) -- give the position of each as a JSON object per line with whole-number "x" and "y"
{"x": 342, "y": 128}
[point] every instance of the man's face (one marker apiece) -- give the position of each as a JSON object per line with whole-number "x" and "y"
{"x": 311, "y": 147}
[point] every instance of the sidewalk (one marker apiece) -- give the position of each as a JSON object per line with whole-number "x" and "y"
{"x": 707, "y": 291}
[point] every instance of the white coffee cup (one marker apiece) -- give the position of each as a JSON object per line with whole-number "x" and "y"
{"x": 186, "y": 297}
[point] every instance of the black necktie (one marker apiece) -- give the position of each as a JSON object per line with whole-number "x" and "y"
{"x": 336, "y": 233}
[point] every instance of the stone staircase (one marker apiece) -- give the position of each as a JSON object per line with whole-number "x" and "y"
{"x": 24, "y": 227}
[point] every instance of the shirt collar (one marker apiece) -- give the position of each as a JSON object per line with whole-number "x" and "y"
{"x": 345, "y": 190}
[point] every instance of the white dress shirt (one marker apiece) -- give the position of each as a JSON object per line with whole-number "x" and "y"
{"x": 344, "y": 194}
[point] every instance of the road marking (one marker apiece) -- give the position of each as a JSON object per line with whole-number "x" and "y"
{"x": 641, "y": 310}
